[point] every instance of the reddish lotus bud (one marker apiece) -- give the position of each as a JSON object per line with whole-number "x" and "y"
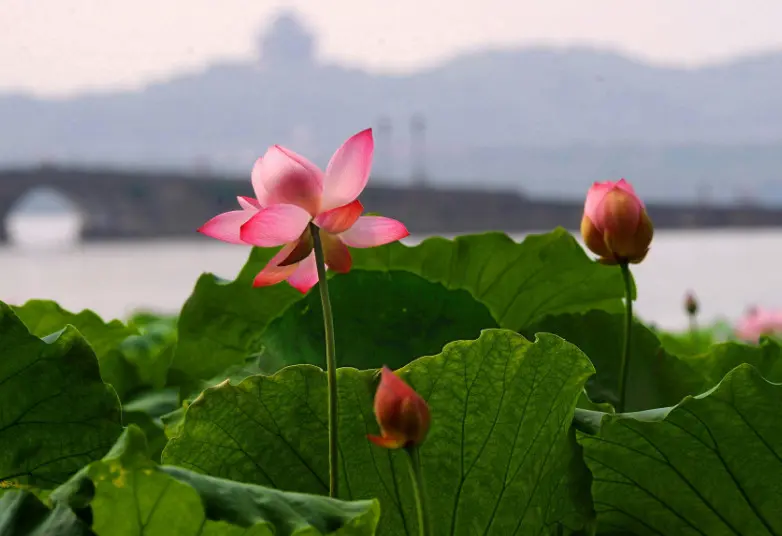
{"x": 615, "y": 225}
{"x": 401, "y": 413}
{"x": 691, "y": 304}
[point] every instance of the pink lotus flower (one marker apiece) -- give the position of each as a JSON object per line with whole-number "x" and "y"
{"x": 757, "y": 322}
{"x": 291, "y": 192}
{"x": 615, "y": 225}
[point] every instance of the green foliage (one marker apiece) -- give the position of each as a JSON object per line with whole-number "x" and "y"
{"x": 711, "y": 465}
{"x": 519, "y": 283}
{"x": 524, "y": 438}
{"x": 724, "y": 357}
{"x": 682, "y": 344}
{"x": 694, "y": 342}
{"x": 56, "y": 414}
{"x": 655, "y": 377}
{"x": 43, "y": 317}
{"x": 151, "y": 352}
{"x": 146, "y": 410}
{"x": 134, "y": 359}
{"x": 406, "y": 317}
{"x": 500, "y": 441}
{"x": 23, "y": 514}
{"x": 126, "y": 493}
{"x": 223, "y": 323}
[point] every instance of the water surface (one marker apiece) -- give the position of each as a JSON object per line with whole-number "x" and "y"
{"x": 728, "y": 269}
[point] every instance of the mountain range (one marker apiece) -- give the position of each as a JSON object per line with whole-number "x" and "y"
{"x": 542, "y": 120}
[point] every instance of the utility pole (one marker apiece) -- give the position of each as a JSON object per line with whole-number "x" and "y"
{"x": 418, "y": 149}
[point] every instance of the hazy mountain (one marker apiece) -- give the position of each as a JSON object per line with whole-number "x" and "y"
{"x": 545, "y": 120}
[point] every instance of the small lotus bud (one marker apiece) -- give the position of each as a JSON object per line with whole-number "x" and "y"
{"x": 401, "y": 413}
{"x": 615, "y": 225}
{"x": 691, "y": 304}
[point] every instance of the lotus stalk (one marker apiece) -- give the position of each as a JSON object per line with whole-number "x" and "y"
{"x": 617, "y": 228}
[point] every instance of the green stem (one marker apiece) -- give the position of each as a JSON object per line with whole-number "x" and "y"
{"x": 331, "y": 362}
{"x": 419, "y": 490}
{"x": 693, "y": 325}
{"x": 624, "y": 364}
{"x": 694, "y": 334}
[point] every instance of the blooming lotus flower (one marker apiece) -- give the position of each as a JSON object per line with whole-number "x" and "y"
{"x": 403, "y": 416}
{"x": 615, "y": 225}
{"x": 758, "y": 322}
{"x": 291, "y": 192}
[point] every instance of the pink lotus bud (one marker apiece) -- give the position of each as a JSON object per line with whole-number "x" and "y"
{"x": 403, "y": 416}
{"x": 615, "y": 225}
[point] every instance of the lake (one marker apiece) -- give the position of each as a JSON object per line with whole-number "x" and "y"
{"x": 728, "y": 270}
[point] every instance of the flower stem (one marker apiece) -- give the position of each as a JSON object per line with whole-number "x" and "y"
{"x": 331, "y": 363}
{"x": 419, "y": 490}
{"x": 694, "y": 334}
{"x": 625, "y": 362}
{"x": 693, "y": 325}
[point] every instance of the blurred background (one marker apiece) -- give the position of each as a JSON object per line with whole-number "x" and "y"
{"x": 125, "y": 125}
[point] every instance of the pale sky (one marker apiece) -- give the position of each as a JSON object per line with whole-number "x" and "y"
{"x": 61, "y": 47}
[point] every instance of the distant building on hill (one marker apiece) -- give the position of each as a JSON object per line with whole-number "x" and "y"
{"x": 287, "y": 43}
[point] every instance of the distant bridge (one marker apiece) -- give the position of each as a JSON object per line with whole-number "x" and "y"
{"x": 118, "y": 204}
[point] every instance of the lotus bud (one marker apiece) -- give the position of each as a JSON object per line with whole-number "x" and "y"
{"x": 401, "y": 413}
{"x": 615, "y": 225}
{"x": 691, "y": 304}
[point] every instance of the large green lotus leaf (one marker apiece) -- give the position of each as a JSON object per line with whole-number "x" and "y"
{"x": 172, "y": 421}
{"x": 127, "y": 494}
{"x": 724, "y": 357}
{"x": 56, "y": 414}
{"x": 710, "y": 466}
{"x": 248, "y": 505}
{"x": 655, "y": 377}
{"x": 500, "y": 456}
{"x": 686, "y": 344}
{"x": 519, "y": 283}
{"x": 221, "y": 323}
{"x": 44, "y": 317}
{"x": 380, "y": 318}
{"x": 23, "y": 514}
{"x": 697, "y": 341}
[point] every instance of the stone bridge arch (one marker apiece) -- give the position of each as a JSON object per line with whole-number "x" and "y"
{"x": 44, "y": 215}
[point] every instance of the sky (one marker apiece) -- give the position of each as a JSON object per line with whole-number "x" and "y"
{"x": 66, "y": 47}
